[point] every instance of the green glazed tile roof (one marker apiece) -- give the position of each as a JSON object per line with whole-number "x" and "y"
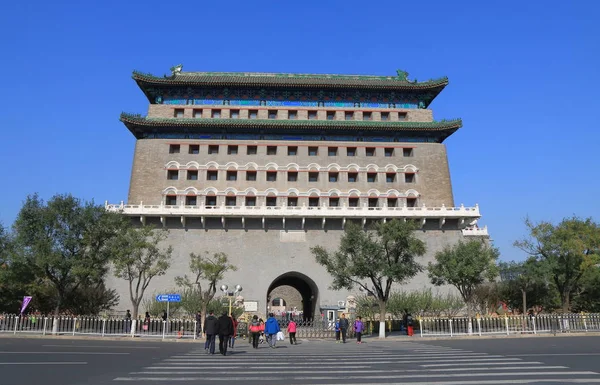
{"x": 137, "y": 122}
{"x": 288, "y": 80}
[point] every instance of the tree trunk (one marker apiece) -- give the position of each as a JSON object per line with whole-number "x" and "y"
{"x": 202, "y": 315}
{"x": 565, "y": 298}
{"x": 135, "y": 309}
{"x": 469, "y": 317}
{"x": 56, "y": 312}
{"x": 382, "y": 312}
{"x": 524, "y": 301}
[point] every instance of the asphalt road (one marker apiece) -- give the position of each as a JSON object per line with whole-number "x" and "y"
{"x": 542, "y": 360}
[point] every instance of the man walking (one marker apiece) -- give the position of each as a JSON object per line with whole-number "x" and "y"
{"x": 211, "y": 327}
{"x": 271, "y": 330}
{"x": 343, "y": 327}
{"x": 225, "y": 332}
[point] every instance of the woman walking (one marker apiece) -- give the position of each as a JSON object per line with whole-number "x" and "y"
{"x": 291, "y": 329}
{"x": 358, "y": 329}
{"x": 255, "y": 329}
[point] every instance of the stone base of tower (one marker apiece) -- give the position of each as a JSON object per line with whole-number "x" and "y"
{"x": 273, "y": 261}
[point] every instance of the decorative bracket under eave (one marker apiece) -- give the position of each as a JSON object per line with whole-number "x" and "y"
{"x": 442, "y": 222}
{"x": 163, "y": 220}
{"x": 143, "y": 220}
{"x": 183, "y": 221}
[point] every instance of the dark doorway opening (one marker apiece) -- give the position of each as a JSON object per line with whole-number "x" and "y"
{"x": 306, "y": 288}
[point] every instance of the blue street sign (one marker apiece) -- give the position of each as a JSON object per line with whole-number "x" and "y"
{"x": 168, "y": 298}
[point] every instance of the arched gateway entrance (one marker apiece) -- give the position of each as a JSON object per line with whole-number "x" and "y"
{"x": 301, "y": 292}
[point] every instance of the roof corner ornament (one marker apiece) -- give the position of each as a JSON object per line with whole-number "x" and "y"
{"x": 402, "y": 75}
{"x": 176, "y": 69}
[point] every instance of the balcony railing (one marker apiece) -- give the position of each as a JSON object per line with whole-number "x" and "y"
{"x": 476, "y": 231}
{"x": 296, "y": 211}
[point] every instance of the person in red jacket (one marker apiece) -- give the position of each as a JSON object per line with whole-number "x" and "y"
{"x": 291, "y": 329}
{"x": 235, "y": 325}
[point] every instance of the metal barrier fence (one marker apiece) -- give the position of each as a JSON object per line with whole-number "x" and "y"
{"x": 188, "y": 329}
{"x": 94, "y": 326}
{"x": 479, "y": 326}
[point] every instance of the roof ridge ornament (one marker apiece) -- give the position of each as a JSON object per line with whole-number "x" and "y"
{"x": 176, "y": 69}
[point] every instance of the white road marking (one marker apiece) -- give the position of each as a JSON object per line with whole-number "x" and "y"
{"x": 481, "y": 363}
{"x": 99, "y": 346}
{"x": 212, "y": 372}
{"x": 234, "y": 366}
{"x": 45, "y": 363}
{"x": 552, "y": 354}
{"x": 352, "y": 377}
{"x": 76, "y": 353}
{"x": 498, "y": 382}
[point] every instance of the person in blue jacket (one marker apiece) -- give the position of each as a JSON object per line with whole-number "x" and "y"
{"x": 271, "y": 330}
{"x": 337, "y": 331}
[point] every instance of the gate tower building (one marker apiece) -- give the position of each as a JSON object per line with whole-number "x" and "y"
{"x": 263, "y": 166}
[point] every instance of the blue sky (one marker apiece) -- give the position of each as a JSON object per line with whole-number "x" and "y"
{"x": 523, "y": 77}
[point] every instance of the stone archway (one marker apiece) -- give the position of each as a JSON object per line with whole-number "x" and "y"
{"x": 301, "y": 286}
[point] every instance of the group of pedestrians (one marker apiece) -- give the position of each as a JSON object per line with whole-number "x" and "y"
{"x": 341, "y": 329}
{"x": 224, "y": 327}
{"x": 271, "y": 330}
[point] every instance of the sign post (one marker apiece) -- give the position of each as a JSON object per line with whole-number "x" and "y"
{"x": 168, "y": 298}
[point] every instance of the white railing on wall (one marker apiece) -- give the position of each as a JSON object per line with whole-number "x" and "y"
{"x": 296, "y": 211}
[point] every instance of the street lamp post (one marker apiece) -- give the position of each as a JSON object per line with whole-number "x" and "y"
{"x": 230, "y": 294}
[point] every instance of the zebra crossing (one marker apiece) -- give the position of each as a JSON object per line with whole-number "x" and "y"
{"x": 321, "y": 362}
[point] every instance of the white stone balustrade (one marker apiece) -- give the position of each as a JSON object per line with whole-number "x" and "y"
{"x": 476, "y": 232}
{"x": 467, "y": 213}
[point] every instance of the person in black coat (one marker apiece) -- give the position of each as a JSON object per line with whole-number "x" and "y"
{"x": 211, "y": 329}
{"x": 225, "y": 332}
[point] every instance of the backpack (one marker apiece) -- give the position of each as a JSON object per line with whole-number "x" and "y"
{"x": 255, "y": 327}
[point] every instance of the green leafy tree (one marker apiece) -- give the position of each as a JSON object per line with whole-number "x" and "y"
{"x": 587, "y": 298}
{"x": 384, "y": 256}
{"x": 530, "y": 278}
{"x": 568, "y": 250}
{"x": 63, "y": 243}
{"x": 138, "y": 257}
{"x": 207, "y": 270}
{"x": 487, "y": 297}
{"x": 11, "y": 288}
{"x": 466, "y": 265}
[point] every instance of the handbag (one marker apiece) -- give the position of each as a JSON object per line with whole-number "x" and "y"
{"x": 145, "y": 327}
{"x": 280, "y": 336}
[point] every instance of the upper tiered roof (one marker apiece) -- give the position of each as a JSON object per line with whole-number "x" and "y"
{"x": 398, "y": 83}
{"x": 138, "y": 125}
